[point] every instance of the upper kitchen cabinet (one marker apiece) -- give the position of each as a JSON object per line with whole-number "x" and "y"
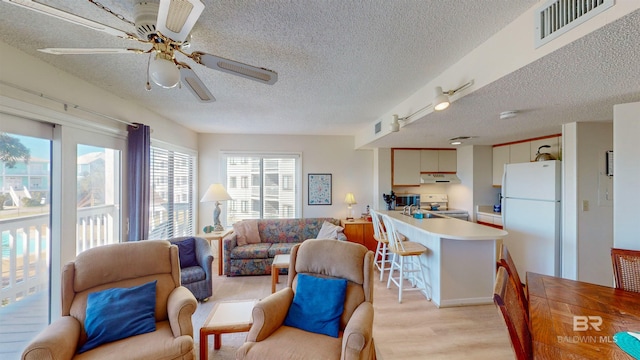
{"x": 554, "y": 148}
{"x": 522, "y": 151}
{"x": 406, "y": 167}
{"x": 500, "y": 157}
{"x": 438, "y": 161}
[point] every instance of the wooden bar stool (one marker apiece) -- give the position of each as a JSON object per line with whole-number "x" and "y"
{"x": 407, "y": 257}
{"x": 381, "y": 259}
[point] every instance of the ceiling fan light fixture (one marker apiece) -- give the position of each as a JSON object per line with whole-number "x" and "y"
{"x": 441, "y": 101}
{"x": 164, "y": 72}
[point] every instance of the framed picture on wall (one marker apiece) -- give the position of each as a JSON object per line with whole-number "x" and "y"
{"x": 319, "y": 189}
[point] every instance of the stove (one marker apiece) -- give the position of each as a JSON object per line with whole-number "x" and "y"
{"x": 426, "y": 200}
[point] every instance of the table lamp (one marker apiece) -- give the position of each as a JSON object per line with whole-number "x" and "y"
{"x": 350, "y": 200}
{"x": 217, "y": 193}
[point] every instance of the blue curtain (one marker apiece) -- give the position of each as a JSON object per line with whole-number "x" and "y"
{"x": 139, "y": 158}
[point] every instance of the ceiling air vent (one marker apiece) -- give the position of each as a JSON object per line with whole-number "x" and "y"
{"x": 378, "y": 127}
{"x": 556, "y": 17}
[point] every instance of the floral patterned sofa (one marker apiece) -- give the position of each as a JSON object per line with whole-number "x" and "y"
{"x": 277, "y": 236}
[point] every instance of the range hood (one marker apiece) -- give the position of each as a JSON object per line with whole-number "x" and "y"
{"x": 437, "y": 178}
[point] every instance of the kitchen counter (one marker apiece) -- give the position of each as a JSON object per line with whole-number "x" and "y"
{"x": 461, "y": 257}
{"x": 486, "y": 216}
{"x": 448, "y": 227}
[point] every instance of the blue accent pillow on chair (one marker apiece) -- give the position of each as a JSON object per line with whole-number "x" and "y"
{"x": 317, "y": 305}
{"x": 187, "y": 252}
{"x": 118, "y": 313}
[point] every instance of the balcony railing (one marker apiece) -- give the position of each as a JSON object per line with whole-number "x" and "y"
{"x": 25, "y": 248}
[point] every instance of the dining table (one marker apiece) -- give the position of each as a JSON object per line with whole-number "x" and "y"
{"x": 578, "y": 320}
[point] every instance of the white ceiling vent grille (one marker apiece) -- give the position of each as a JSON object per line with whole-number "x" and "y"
{"x": 556, "y": 17}
{"x": 378, "y": 127}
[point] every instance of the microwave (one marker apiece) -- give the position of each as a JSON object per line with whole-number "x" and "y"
{"x": 403, "y": 200}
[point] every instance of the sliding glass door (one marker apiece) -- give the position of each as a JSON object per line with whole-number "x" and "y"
{"x": 25, "y": 198}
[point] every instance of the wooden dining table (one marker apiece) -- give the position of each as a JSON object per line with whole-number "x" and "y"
{"x": 577, "y": 320}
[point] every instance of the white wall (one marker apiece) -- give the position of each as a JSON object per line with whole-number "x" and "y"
{"x": 626, "y": 178}
{"x": 381, "y": 176}
{"x": 587, "y": 203}
{"x": 352, "y": 170}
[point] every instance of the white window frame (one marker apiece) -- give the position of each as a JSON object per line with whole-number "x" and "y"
{"x": 224, "y": 155}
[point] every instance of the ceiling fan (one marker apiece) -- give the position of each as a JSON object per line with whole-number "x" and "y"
{"x": 166, "y": 26}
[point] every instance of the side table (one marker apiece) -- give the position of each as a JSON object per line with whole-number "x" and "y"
{"x": 217, "y": 235}
{"x": 226, "y": 317}
{"x": 280, "y": 261}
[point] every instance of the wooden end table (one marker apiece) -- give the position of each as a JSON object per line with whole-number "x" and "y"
{"x": 217, "y": 235}
{"x": 280, "y": 261}
{"x": 225, "y": 318}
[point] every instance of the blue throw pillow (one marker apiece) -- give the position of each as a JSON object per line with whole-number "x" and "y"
{"x": 118, "y": 313}
{"x": 187, "y": 252}
{"x": 317, "y": 305}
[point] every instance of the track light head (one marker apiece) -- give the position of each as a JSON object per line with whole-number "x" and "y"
{"x": 441, "y": 101}
{"x": 395, "y": 125}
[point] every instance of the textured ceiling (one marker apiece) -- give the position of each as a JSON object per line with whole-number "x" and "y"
{"x": 342, "y": 64}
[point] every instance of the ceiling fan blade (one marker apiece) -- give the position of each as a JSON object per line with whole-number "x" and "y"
{"x": 176, "y": 18}
{"x": 191, "y": 80}
{"x": 262, "y": 75}
{"x": 72, "y": 18}
{"x": 90, "y": 51}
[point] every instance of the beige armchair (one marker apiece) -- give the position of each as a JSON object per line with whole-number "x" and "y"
{"x": 270, "y": 339}
{"x": 122, "y": 266}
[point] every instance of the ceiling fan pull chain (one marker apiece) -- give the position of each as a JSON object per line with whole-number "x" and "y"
{"x": 121, "y": 17}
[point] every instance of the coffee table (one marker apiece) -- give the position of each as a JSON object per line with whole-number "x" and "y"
{"x": 280, "y": 261}
{"x": 226, "y": 317}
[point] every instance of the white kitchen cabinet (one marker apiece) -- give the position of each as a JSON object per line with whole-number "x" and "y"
{"x": 485, "y": 216}
{"x": 554, "y": 142}
{"x": 438, "y": 161}
{"x": 520, "y": 152}
{"x": 429, "y": 160}
{"x": 500, "y": 157}
{"x": 508, "y": 154}
{"x": 406, "y": 167}
{"x": 524, "y": 151}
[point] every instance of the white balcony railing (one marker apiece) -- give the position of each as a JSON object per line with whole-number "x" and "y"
{"x": 25, "y": 248}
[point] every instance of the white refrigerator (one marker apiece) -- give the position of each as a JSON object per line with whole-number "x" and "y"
{"x": 531, "y": 215}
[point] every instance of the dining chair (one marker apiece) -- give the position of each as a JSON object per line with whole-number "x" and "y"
{"x": 505, "y": 261}
{"x": 407, "y": 259}
{"x": 381, "y": 258}
{"x": 626, "y": 269}
{"x": 505, "y": 296}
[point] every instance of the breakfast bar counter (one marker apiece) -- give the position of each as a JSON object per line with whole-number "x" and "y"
{"x": 461, "y": 257}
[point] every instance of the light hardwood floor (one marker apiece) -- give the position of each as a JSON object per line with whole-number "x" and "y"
{"x": 415, "y": 329}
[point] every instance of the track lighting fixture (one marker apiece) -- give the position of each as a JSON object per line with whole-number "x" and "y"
{"x": 441, "y": 100}
{"x": 395, "y": 125}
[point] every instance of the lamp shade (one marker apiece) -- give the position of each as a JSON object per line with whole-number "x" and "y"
{"x": 215, "y": 192}
{"x": 441, "y": 101}
{"x": 350, "y": 199}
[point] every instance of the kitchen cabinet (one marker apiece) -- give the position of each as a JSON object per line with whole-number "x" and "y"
{"x": 486, "y": 216}
{"x": 359, "y": 231}
{"x": 406, "y": 167}
{"x": 519, "y": 152}
{"x": 554, "y": 150}
{"x": 500, "y": 157}
{"x": 438, "y": 161}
